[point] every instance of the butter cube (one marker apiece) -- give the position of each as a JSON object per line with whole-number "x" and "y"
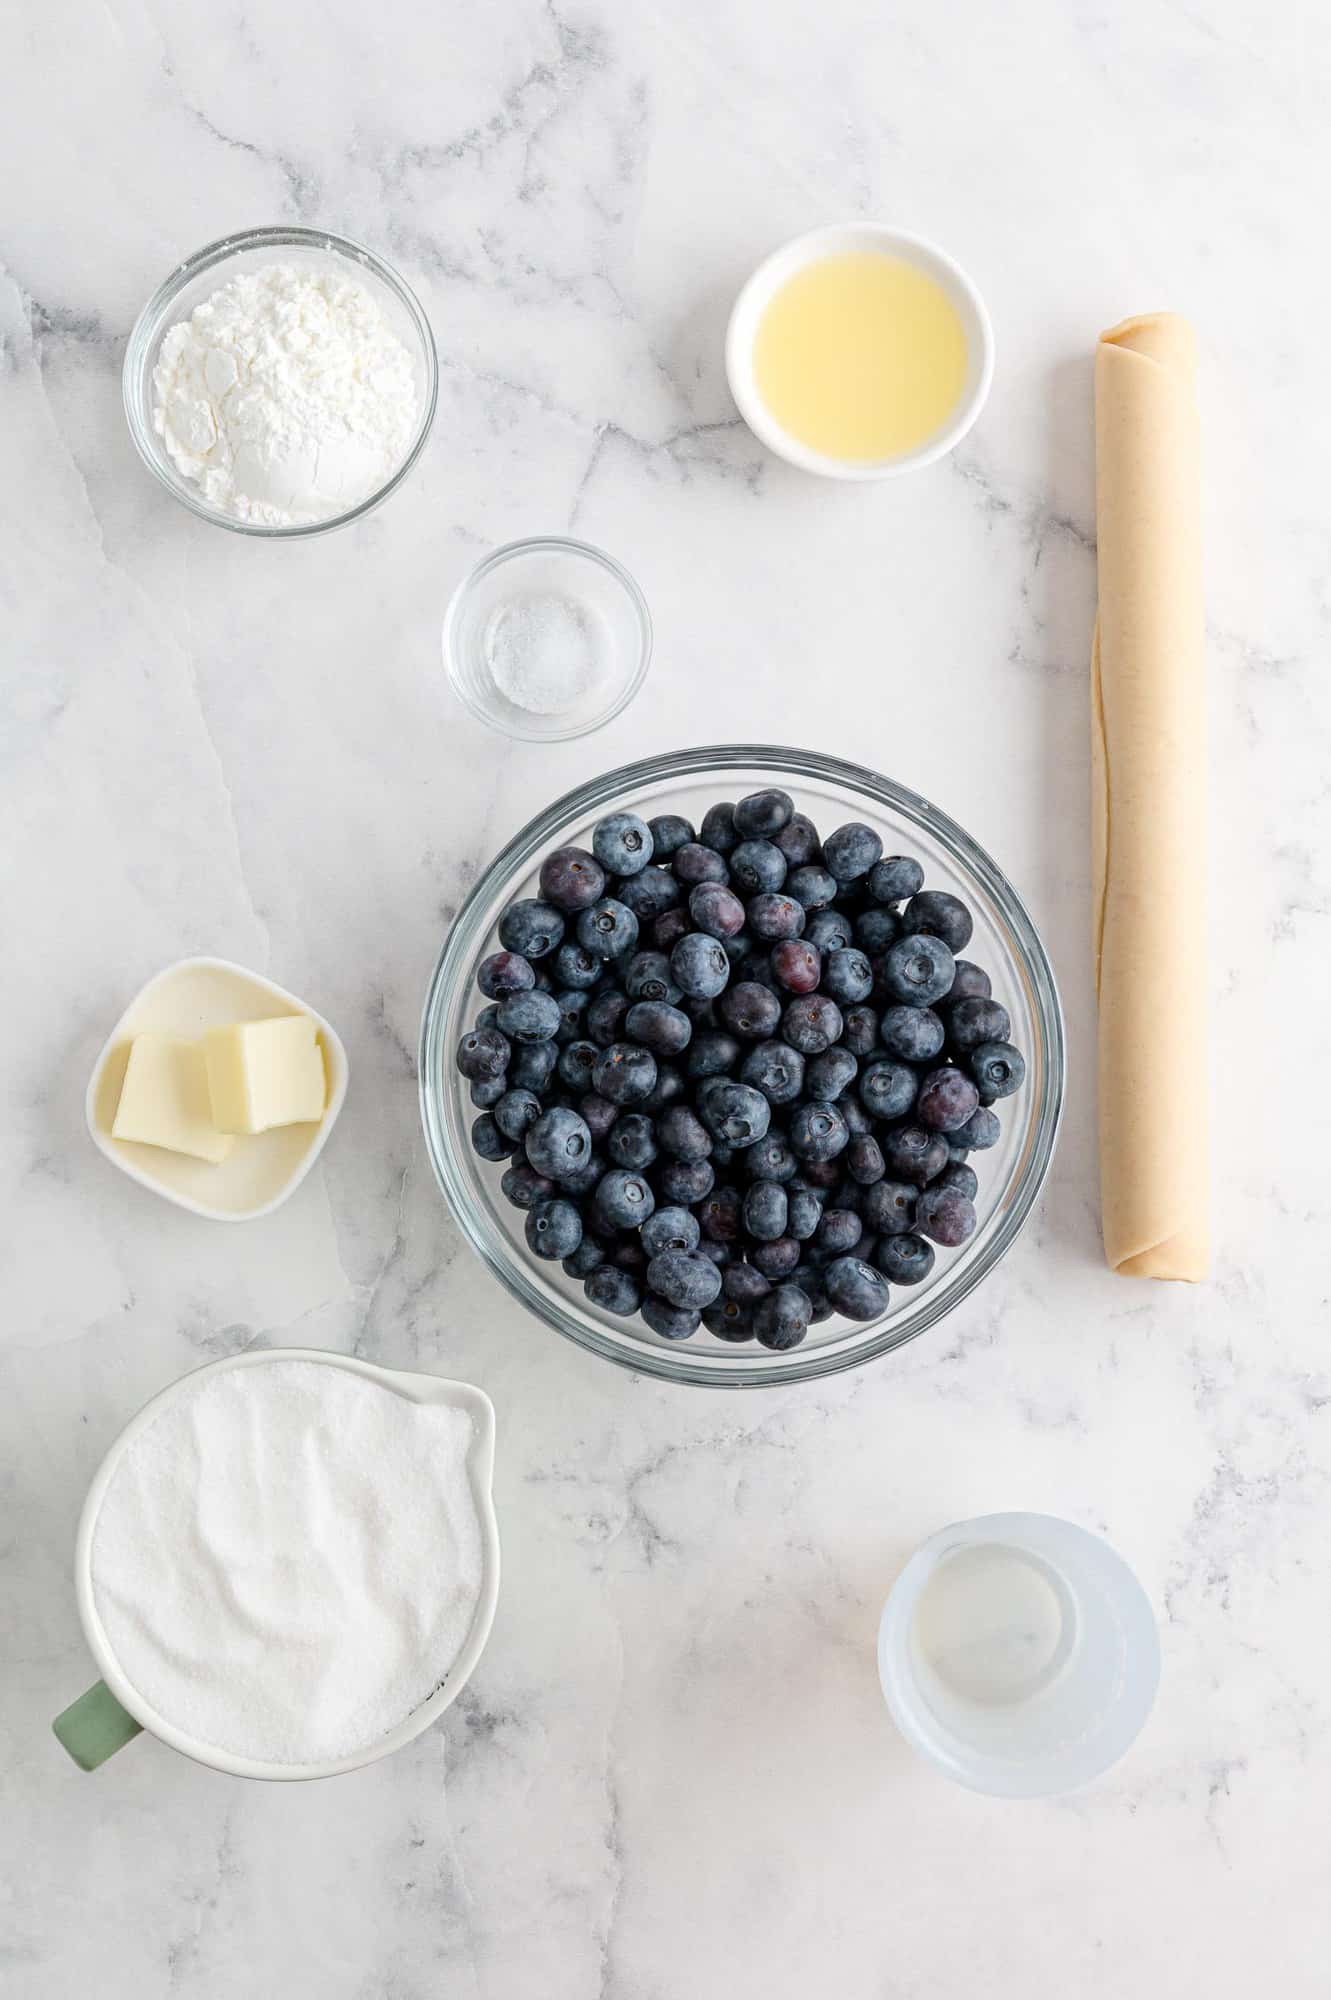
{"x": 164, "y": 1100}
{"x": 265, "y": 1073}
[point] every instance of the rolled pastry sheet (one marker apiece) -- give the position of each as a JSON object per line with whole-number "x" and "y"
{"x": 1149, "y": 803}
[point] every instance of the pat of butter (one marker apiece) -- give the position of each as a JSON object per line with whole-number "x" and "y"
{"x": 164, "y": 1100}
{"x": 265, "y": 1073}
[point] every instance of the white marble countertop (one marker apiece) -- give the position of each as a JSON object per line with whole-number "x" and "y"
{"x": 673, "y": 1776}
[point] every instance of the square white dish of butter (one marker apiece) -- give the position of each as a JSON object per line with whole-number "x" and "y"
{"x": 217, "y": 1089}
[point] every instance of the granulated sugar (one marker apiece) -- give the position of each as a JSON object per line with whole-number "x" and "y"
{"x": 288, "y": 1560}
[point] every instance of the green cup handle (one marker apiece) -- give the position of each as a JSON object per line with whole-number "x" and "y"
{"x": 94, "y": 1727}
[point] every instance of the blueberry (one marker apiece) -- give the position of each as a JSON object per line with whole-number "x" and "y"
{"x": 668, "y": 929}
{"x": 553, "y": 1229}
{"x": 683, "y": 1278}
{"x": 484, "y": 1052}
{"x": 848, "y": 976}
{"x": 625, "y": 1073}
{"x": 622, "y": 843}
{"x": 606, "y": 1013}
{"x": 716, "y": 910}
{"x": 773, "y": 916}
{"x": 864, "y": 1159}
{"x": 647, "y": 977}
{"x": 488, "y": 1016}
{"x": 796, "y": 966}
{"x": 998, "y": 1069}
{"x": 516, "y": 1111}
{"x": 628, "y": 1255}
{"x": 503, "y": 973}
{"x": 670, "y": 832}
{"x": 572, "y": 1002}
{"x": 812, "y": 886}
{"x": 683, "y": 1182}
{"x": 829, "y": 931}
{"x": 669, "y": 1229}
{"x": 663, "y": 1029}
{"x": 959, "y": 1176}
{"x": 530, "y": 928}
{"x": 669, "y": 1088}
{"x": 486, "y": 1091}
{"x": 744, "y": 1283}
{"x": 734, "y": 1113}
{"x": 946, "y": 1100}
{"x": 811, "y": 1023}
{"x": 488, "y": 1140}
{"x": 918, "y": 969}
{"x": 596, "y": 1112}
{"x": 803, "y": 1213}
{"x": 906, "y": 1259}
{"x": 751, "y": 1010}
{"x": 650, "y": 893}
{"x": 934, "y": 913}
{"x": 971, "y": 982}
{"x": 718, "y": 828}
{"x": 721, "y": 1215}
{"x": 776, "y": 1260}
{"x": 712, "y": 1053}
{"x": 608, "y": 927}
{"x": 980, "y": 1131}
{"x": 631, "y": 1141}
{"x": 614, "y": 1290}
{"x": 765, "y": 1209}
{"x": 533, "y": 1066}
{"x": 576, "y": 966}
{"x": 683, "y": 1135}
{"x": 755, "y": 968}
{"x": 579, "y": 1181}
{"x": 770, "y": 1159}
{"x": 728, "y": 1320}
{"x": 856, "y": 1289}
{"x": 974, "y": 1020}
{"x": 558, "y": 1144}
{"x": 588, "y": 1257}
{"x": 699, "y": 967}
{"x": 781, "y": 1320}
{"x": 818, "y": 1132}
{"x": 851, "y": 851}
{"x": 622, "y": 1200}
{"x": 913, "y": 1034}
{"x": 876, "y": 929}
{"x": 755, "y": 866}
{"x": 887, "y": 1089}
{"x": 889, "y": 1207}
{"x": 838, "y": 1231}
{"x": 946, "y": 1215}
{"x": 912, "y": 1154}
{"x": 798, "y": 840}
{"x": 695, "y": 863}
{"x": 829, "y": 1074}
{"x": 577, "y": 1064}
{"x": 821, "y": 1174}
{"x": 776, "y": 1070}
{"x": 571, "y": 878}
{"x": 670, "y": 1322}
{"x": 860, "y": 1033}
{"x": 763, "y": 814}
{"x": 895, "y": 878}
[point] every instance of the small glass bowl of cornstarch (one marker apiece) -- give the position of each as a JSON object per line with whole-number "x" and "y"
{"x": 281, "y": 382}
{"x": 547, "y": 639}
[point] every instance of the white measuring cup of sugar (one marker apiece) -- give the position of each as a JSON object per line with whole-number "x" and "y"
{"x": 1019, "y": 1654}
{"x": 112, "y": 1712}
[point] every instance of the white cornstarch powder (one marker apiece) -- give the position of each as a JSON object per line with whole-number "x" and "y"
{"x": 286, "y": 396}
{"x": 541, "y": 653}
{"x": 288, "y": 1560}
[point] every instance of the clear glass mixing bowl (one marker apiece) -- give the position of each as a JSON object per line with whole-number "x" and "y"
{"x": 1006, "y": 943}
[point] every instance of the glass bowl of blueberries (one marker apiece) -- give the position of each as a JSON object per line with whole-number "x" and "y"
{"x": 742, "y": 1066}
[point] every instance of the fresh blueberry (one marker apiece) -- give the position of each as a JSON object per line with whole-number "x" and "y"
{"x": 912, "y": 1034}
{"x": 716, "y": 911}
{"x": 516, "y": 1112}
{"x": 623, "y": 1199}
{"x": 572, "y": 1002}
{"x": 818, "y": 1132}
{"x": 488, "y": 1140}
{"x": 712, "y": 1052}
{"x": 668, "y": 929}
{"x": 669, "y": 1229}
{"x": 553, "y": 1229}
{"x": 851, "y": 851}
{"x": 622, "y": 843}
{"x": 670, "y": 1322}
{"x": 695, "y": 863}
{"x": 798, "y": 840}
{"x": 488, "y": 1016}
{"x": 597, "y": 1113}
{"x": 980, "y": 1131}
{"x": 781, "y": 1320}
{"x": 629, "y": 1255}
{"x": 744, "y": 1283}
{"x": 811, "y": 886}
{"x": 531, "y": 928}
{"x": 776, "y": 1260}
{"x": 946, "y": 1100}
{"x": 971, "y": 982}
{"x": 859, "y": 1034}
{"x": 670, "y": 832}
{"x": 681, "y": 1183}
{"x": 533, "y": 1066}
{"x": 763, "y": 814}
{"x": 887, "y": 1089}
{"x": 838, "y": 1231}
{"x": 734, "y": 1113}
{"x": 670, "y": 1086}
{"x": 503, "y": 973}
{"x": 856, "y": 1290}
{"x": 998, "y": 1069}
{"x": 776, "y": 1070}
{"x": 699, "y": 967}
{"x": 905, "y": 1259}
{"x": 895, "y": 878}
{"x": 650, "y": 893}
{"x": 614, "y": 1290}
{"x": 975, "y": 1020}
{"x": 752, "y": 1011}
{"x": 827, "y": 1076}
{"x": 663, "y": 1029}
{"x": 484, "y": 1052}
{"x": 631, "y": 1141}
{"x": 721, "y": 1215}
{"x": 571, "y": 878}
{"x": 889, "y": 1207}
{"x": 918, "y": 969}
{"x": 756, "y": 866}
{"x": 935, "y": 913}
{"x": 848, "y": 976}
{"x": 912, "y": 1154}
{"x": 625, "y": 1073}
{"x": 576, "y": 966}
{"x": 728, "y": 1320}
{"x": 765, "y": 1209}
{"x": 803, "y": 1213}
{"x": 948, "y": 1217}
{"x": 486, "y": 1091}
{"x": 684, "y": 1278}
{"x": 770, "y": 1159}
{"x": 811, "y": 1023}
{"x": 558, "y": 1144}
{"x": 682, "y": 1134}
{"x": 864, "y": 1159}
{"x": 577, "y": 1064}
{"x": 876, "y": 929}
{"x": 609, "y": 927}
{"x": 588, "y": 1257}
{"x": 718, "y": 828}
{"x": 647, "y": 977}
{"x": 829, "y": 931}
{"x": 773, "y": 916}
{"x": 959, "y": 1176}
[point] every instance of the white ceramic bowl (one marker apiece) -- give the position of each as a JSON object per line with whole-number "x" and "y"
{"x": 837, "y": 240}
{"x": 187, "y": 999}
{"x": 480, "y": 1466}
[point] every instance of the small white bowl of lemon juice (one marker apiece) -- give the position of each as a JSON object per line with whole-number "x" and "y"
{"x": 859, "y": 351}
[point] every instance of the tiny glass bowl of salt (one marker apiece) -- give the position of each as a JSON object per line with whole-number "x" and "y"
{"x": 547, "y": 639}
{"x": 281, "y": 382}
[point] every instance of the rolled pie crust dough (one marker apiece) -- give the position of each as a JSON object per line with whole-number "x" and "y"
{"x": 1149, "y": 806}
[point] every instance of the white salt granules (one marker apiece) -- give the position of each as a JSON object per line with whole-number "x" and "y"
{"x": 541, "y": 653}
{"x": 288, "y": 1560}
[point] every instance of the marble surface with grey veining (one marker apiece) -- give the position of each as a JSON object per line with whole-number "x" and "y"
{"x": 673, "y": 1776}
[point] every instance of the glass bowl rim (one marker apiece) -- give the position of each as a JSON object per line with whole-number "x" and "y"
{"x": 529, "y": 545}
{"x": 458, "y": 958}
{"x": 150, "y": 323}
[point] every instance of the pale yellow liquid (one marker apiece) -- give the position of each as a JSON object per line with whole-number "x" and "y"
{"x": 861, "y": 356}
